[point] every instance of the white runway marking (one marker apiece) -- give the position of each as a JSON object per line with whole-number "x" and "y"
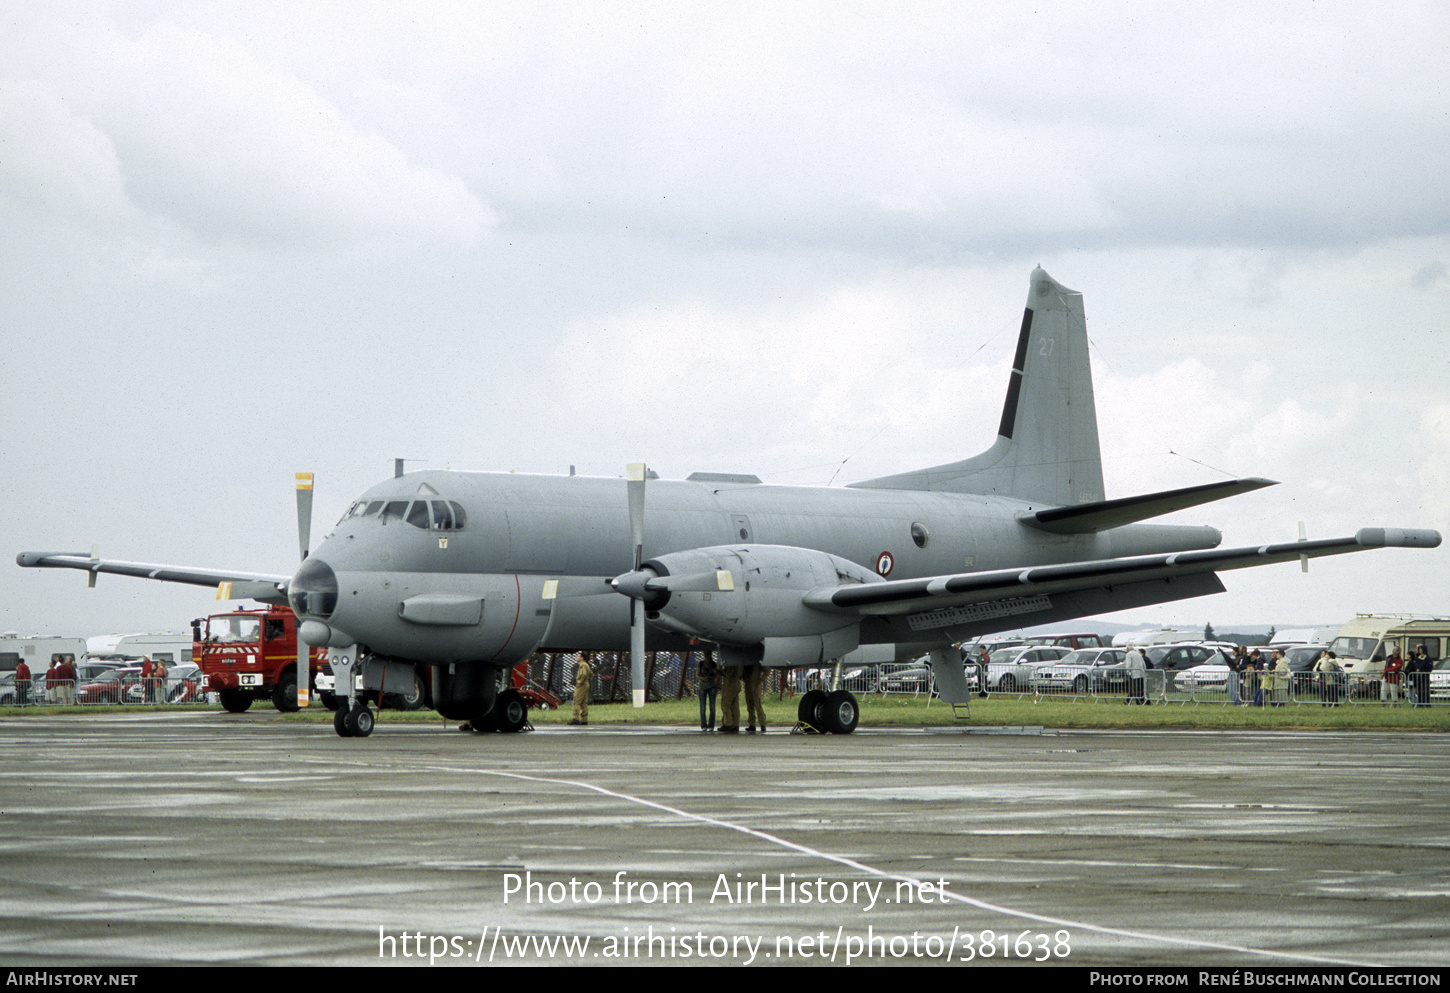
{"x": 873, "y": 871}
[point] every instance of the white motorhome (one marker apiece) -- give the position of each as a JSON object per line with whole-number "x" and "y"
{"x": 36, "y": 650}
{"x": 167, "y": 647}
{"x": 1365, "y": 642}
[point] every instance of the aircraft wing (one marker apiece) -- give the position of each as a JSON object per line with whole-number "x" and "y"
{"x": 911, "y": 596}
{"x": 261, "y": 586}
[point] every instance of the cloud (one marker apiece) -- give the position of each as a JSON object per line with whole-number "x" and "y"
{"x": 802, "y": 386}
{"x": 1429, "y": 276}
{"x": 210, "y": 137}
{"x": 55, "y": 161}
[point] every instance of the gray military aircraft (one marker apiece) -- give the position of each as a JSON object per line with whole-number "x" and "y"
{"x": 466, "y": 574}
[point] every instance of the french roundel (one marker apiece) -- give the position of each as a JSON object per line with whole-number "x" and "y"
{"x": 884, "y": 563}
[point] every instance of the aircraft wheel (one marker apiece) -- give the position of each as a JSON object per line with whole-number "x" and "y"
{"x": 339, "y": 722}
{"x": 510, "y": 711}
{"x": 487, "y": 722}
{"x": 235, "y": 701}
{"x": 359, "y": 721}
{"x": 842, "y": 712}
{"x": 808, "y": 712}
{"x": 284, "y": 695}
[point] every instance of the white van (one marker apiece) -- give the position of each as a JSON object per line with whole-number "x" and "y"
{"x": 1365, "y": 642}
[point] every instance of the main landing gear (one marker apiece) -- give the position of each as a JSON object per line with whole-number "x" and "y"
{"x": 836, "y": 712}
{"x": 510, "y": 714}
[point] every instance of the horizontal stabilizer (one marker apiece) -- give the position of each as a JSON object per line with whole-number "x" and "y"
{"x": 1090, "y": 517}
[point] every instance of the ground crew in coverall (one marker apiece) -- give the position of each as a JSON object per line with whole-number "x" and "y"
{"x": 755, "y": 712}
{"x": 583, "y": 684}
{"x": 730, "y": 699}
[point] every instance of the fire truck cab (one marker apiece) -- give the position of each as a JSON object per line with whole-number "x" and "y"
{"x": 248, "y": 655}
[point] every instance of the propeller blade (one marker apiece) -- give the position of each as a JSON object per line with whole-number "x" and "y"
{"x": 636, "y": 650}
{"x": 634, "y": 476}
{"x": 304, "y": 511}
{"x": 304, "y": 542}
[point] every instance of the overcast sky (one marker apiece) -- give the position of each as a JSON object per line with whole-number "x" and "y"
{"x": 786, "y": 239}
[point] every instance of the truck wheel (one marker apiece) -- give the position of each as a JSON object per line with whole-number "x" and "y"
{"x": 414, "y": 698}
{"x": 329, "y": 699}
{"x": 284, "y": 694}
{"x": 235, "y": 701}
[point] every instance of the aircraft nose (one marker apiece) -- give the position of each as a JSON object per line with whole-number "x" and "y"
{"x": 313, "y": 590}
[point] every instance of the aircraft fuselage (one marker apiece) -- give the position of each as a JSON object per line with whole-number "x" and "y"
{"x": 476, "y": 593}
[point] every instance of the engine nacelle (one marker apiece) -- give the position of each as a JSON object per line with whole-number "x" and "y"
{"x": 751, "y": 595}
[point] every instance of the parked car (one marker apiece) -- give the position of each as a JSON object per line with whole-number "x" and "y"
{"x": 1440, "y": 680}
{"x": 112, "y": 686}
{"x": 1174, "y": 659}
{"x": 858, "y": 679}
{"x": 89, "y": 669}
{"x": 1204, "y": 677}
{"x": 1302, "y": 659}
{"x": 1010, "y": 669}
{"x": 1101, "y": 669}
{"x": 183, "y": 685}
{"x": 1068, "y": 640}
{"x": 906, "y": 677}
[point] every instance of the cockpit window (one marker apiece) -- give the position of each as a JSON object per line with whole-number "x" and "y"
{"x": 429, "y": 515}
{"x": 442, "y": 516}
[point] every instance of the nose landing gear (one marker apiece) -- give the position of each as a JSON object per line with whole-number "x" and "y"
{"x": 354, "y": 722}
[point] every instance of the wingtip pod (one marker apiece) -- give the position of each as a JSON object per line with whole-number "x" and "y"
{"x": 1397, "y": 538}
{"x": 32, "y": 560}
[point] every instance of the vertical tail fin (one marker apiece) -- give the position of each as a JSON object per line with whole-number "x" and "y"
{"x": 1047, "y": 443}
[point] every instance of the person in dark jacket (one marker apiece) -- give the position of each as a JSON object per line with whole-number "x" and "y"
{"x": 707, "y": 687}
{"x": 1418, "y": 669}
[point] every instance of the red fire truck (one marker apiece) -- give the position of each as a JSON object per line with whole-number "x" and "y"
{"x": 249, "y": 655}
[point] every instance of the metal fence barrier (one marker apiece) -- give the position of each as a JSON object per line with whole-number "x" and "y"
{"x": 40, "y": 692}
{"x": 1248, "y": 689}
{"x": 673, "y": 676}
